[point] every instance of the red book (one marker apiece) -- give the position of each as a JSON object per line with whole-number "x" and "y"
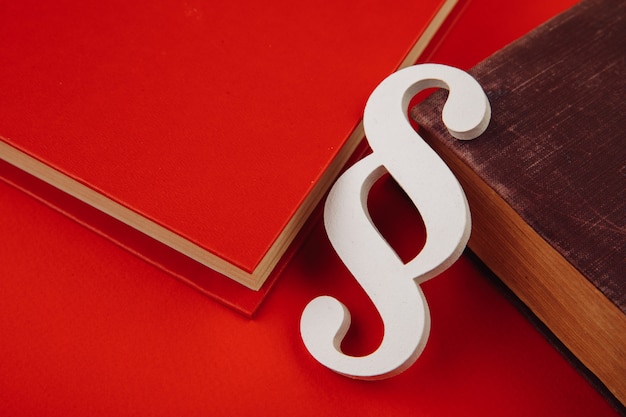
{"x": 212, "y": 128}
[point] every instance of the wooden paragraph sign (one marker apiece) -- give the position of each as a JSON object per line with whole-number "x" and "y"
{"x": 392, "y": 285}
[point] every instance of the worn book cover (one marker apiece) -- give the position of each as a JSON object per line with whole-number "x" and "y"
{"x": 546, "y": 182}
{"x": 212, "y": 128}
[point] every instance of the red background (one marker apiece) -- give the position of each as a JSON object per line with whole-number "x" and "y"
{"x": 88, "y": 329}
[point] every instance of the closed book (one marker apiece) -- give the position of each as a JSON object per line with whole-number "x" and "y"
{"x": 203, "y": 133}
{"x": 546, "y": 182}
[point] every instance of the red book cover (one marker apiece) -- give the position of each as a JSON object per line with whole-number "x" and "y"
{"x": 214, "y": 128}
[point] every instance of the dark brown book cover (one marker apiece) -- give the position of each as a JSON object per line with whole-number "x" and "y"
{"x": 546, "y": 182}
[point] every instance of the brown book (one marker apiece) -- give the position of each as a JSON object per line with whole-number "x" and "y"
{"x": 546, "y": 181}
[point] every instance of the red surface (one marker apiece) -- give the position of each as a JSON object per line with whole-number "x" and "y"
{"x": 89, "y": 329}
{"x": 213, "y": 119}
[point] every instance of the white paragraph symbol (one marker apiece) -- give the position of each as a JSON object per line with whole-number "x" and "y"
{"x": 392, "y": 285}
